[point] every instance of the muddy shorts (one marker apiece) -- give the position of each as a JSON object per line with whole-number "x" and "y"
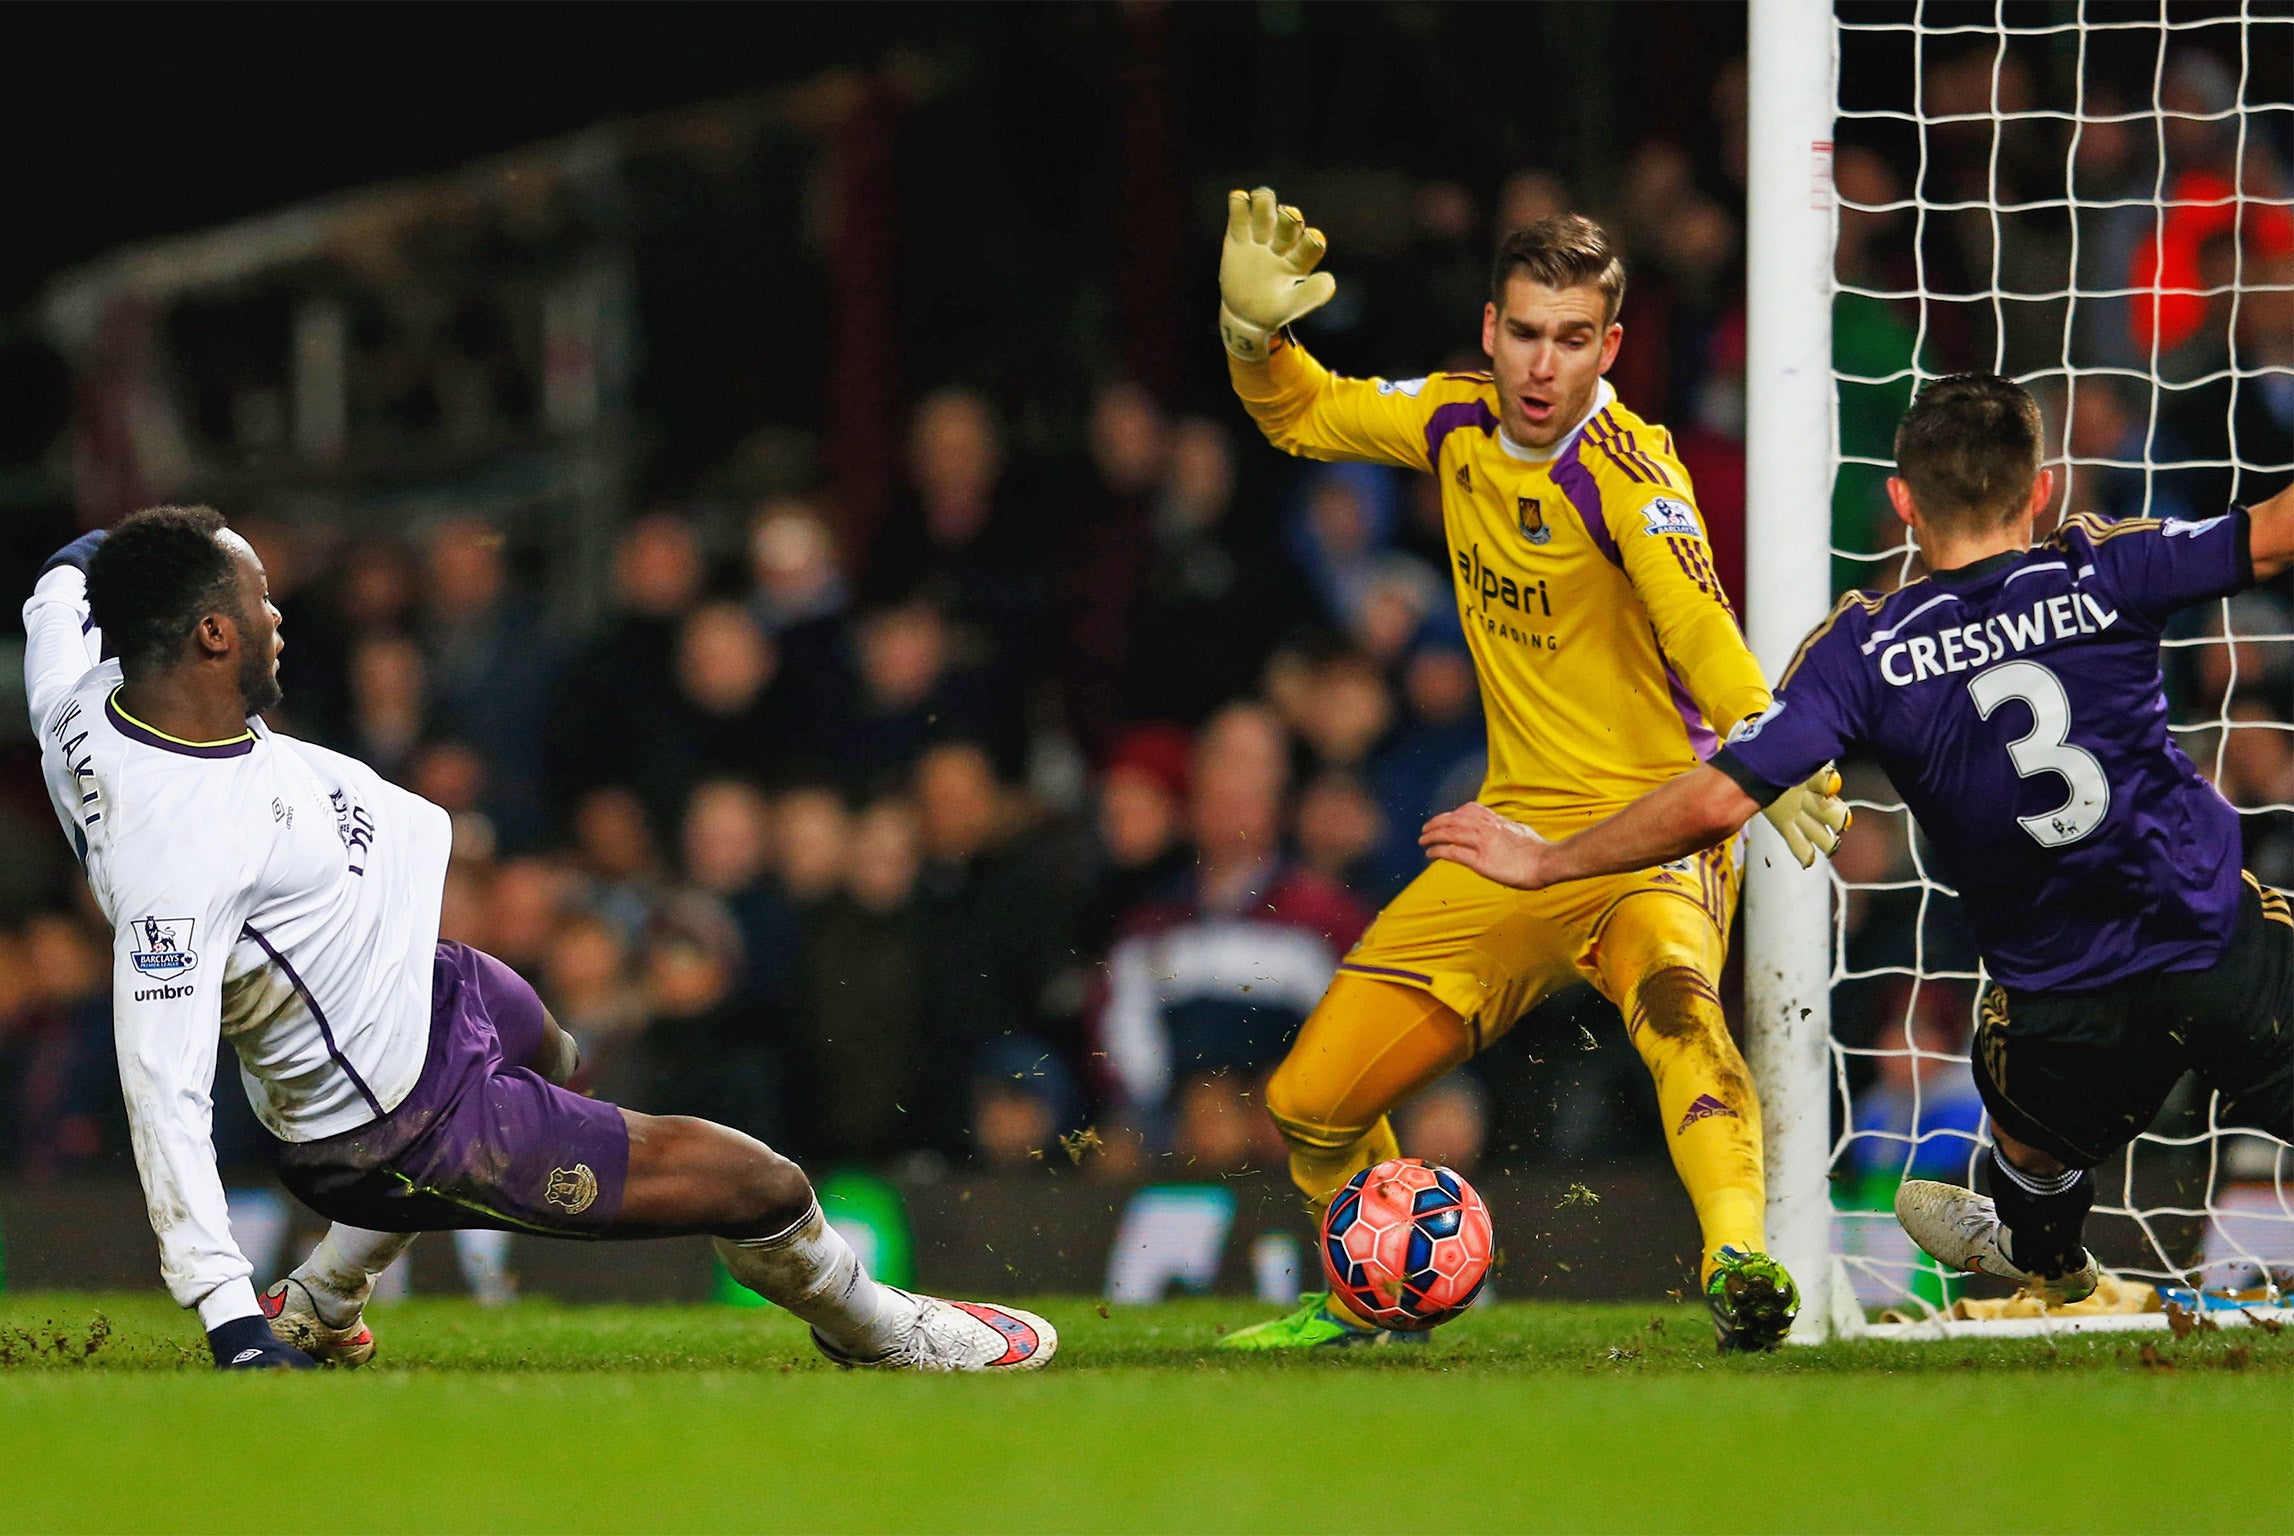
{"x": 483, "y": 1140}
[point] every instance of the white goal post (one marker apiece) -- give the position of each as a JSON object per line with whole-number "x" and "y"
{"x": 1788, "y": 587}
{"x": 2192, "y": 1204}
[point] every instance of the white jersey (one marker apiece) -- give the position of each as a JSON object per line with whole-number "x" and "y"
{"x": 275, "y": 893}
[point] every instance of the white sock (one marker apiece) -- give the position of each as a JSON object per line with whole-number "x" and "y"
{"x": 484, "y": 1253}
{"x": 341, "y": 1269}
{"x": 814, "y": 1273}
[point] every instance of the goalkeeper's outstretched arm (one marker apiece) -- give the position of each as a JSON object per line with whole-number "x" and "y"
{"x": 1267, "y": 280}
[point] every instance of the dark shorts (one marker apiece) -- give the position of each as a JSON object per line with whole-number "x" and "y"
{"x": 483, "y": 1140}
{"x": 2080, "y": 1074}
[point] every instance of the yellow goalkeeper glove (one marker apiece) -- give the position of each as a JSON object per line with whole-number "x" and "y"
{"x": 1266, "y": 272}
{"x": 1811, "y": 816}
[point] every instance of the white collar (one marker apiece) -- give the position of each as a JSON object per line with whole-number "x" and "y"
{"x": 1603, "y": 398}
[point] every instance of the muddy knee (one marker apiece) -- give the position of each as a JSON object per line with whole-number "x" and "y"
{"x": 1674, "y": 1003}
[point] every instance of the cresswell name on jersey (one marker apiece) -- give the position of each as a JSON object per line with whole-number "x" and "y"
{"x": 2018, "y": 707}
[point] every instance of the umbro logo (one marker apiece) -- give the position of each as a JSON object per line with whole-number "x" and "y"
{"x": 246, "y": 1355}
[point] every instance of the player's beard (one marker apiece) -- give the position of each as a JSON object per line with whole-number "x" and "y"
{"x": 258, "y": 681}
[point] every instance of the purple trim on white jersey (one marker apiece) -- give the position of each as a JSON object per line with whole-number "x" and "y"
{"x": 326, "y": 1030}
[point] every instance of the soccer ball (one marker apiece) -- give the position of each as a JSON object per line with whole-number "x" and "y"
{"x": 1406, "y": 1244}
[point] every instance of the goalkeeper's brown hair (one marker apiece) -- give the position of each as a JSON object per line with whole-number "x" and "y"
{"x": 1969, "y": 449}
{"x": 1567, "y": 250}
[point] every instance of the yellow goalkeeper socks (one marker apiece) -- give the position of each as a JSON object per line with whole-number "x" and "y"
{"x": 1665, "y": 953}
{"x": 1712, "y": 1119}
{"x": 1367, "y": 1046}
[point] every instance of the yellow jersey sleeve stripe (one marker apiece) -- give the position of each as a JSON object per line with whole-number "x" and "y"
{"x": 1631, "y": 446}
{"x": 1603, "y": 432}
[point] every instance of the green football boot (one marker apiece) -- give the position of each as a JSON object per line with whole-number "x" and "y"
{"x": 1753, "y": 1302}
{"x": 1315, "y": 1326}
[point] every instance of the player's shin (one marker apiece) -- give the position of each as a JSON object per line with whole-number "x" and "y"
{"x": 813, "y": 1273}
{"x": 1368, "y": 1045}
{"x": 2044, "y": 1216}
{"x": 1323, "y": 1159}
{"x": 1711, "y": 1116}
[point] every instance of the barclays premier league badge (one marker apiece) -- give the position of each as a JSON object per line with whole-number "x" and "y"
{"x": 165, "y": 946}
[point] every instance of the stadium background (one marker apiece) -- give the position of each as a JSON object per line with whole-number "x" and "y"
{"x": 775, "y": 481}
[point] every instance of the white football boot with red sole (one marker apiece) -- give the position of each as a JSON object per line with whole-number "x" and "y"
{"x": 962, "y": 1336}
{"x": 294, "y": 1316}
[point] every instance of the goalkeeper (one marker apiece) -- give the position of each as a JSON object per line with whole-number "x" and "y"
{"x": 1608, "y": 659}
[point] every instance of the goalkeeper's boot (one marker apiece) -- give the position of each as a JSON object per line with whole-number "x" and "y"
{"x": 961, "y": 1336}
{"x": 1753, "y": 1301}
{"x": 1961, "y": 1229}
{"x": 295, "y": 1318}
{"x": 1315, "y": 1326}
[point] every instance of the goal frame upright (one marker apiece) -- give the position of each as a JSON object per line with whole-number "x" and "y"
{"x": 1790, "y": 428}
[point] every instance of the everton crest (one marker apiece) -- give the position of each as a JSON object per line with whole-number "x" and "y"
{"x": 574, "y": 1188}
{"x": 1532, "y": 520}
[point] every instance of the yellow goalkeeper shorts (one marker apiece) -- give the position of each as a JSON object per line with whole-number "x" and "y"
{"x": 1491, "y": 953}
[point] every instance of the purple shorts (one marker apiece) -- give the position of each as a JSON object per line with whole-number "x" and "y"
{"x": 483, "y": 1140}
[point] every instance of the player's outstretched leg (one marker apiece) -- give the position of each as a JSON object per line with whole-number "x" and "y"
{"x": 1658, "y": 956}
{"x": 1367, "y": 1046}
{"x": 485, "y": 1138}
{"x": 694, "y": 1176}
{"x": 2029, "y": 1232}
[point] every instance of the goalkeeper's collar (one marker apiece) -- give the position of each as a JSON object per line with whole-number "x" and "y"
{"x": 1603, "y": 398}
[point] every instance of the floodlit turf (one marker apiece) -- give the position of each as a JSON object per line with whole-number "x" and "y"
{"x": 1532, "y": 1417}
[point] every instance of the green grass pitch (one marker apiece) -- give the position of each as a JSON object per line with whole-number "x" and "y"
{"x": 1521, "y": 1417}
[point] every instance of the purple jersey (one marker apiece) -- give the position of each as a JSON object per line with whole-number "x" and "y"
{"x": 2017, "y": 705}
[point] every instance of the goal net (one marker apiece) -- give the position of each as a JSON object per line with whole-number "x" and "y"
{"x": 2094, "y": 199}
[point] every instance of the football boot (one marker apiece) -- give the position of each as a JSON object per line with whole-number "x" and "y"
{"x": 1315, "y": 1326}
{"x": 1961, "y": 1229}
{"x": 961, "y": 1336}
{"x": 1753, "y": 1301}
{"x": 294, "y": 1315}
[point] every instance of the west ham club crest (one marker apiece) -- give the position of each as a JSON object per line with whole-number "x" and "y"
{"x": 1532, "y": 520}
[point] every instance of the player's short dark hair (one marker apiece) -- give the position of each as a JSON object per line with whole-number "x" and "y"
{"x": 1567, "y": 250}
{"x": 1969, "y": 448}
{"x": 152, "y": 580}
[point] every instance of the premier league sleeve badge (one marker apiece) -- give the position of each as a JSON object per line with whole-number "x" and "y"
{"x": 165, "y": 946}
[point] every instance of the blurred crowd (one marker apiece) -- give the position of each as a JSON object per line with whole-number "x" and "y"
{"x": 1047, "y": 816}
{"x": 1025, "y": 826}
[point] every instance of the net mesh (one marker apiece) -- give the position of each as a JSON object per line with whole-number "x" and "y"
{"x": 2092, "y": 199}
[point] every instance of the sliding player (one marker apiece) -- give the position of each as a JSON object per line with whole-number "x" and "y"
{"x": 2014, "y": 698}
{"x": 1608, "y": 656}
{"x": 288, "y": 897}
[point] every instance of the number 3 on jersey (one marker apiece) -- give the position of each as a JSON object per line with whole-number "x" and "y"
{"x": 2046, "y": 749}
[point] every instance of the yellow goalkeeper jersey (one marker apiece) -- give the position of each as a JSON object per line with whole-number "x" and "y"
{"x": 1607, "y": 652}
